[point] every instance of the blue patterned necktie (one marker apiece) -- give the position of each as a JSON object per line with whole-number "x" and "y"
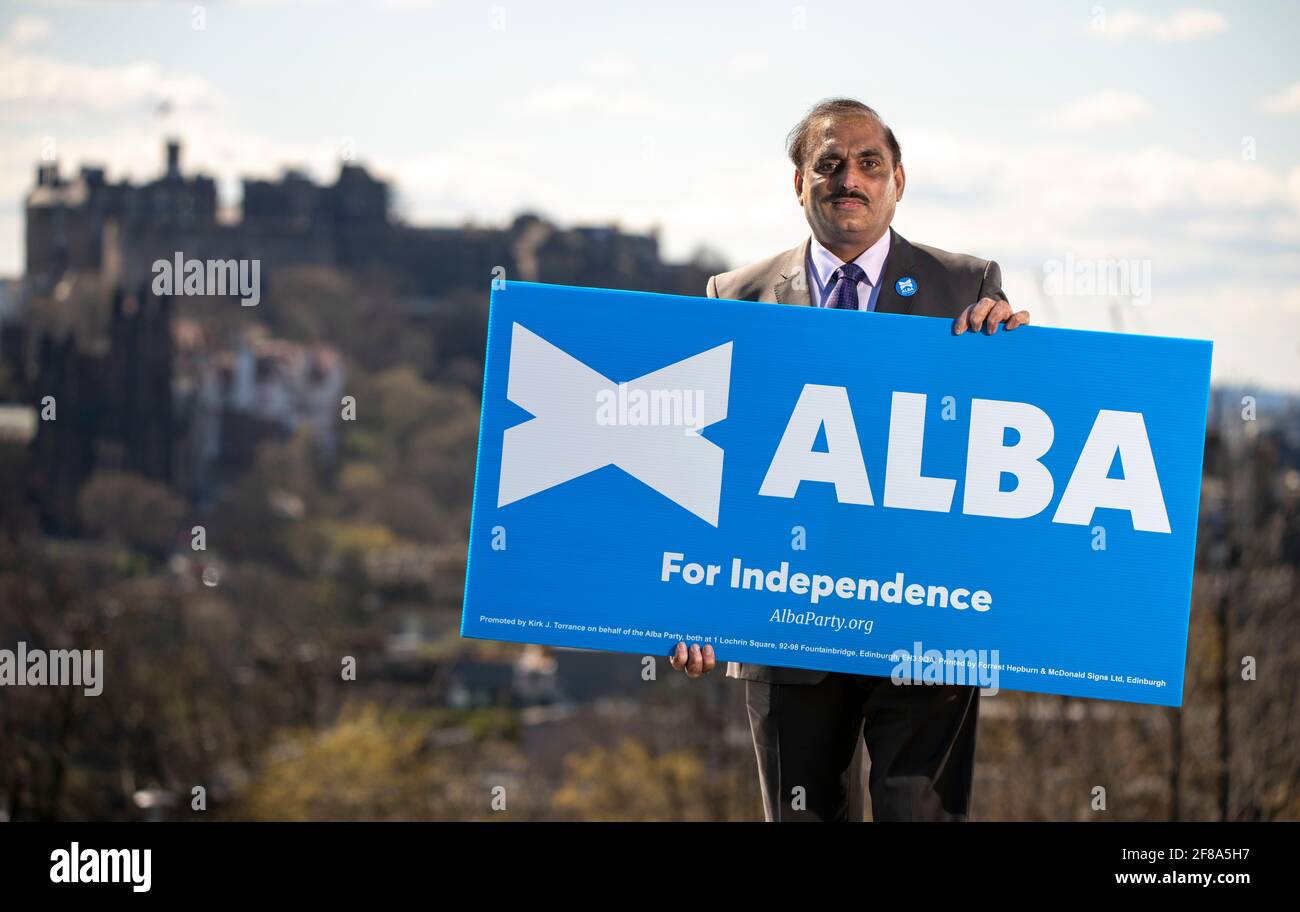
{"x": 844, "y": 294}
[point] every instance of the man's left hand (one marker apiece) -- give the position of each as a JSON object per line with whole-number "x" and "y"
{"x": 987, "y": 314}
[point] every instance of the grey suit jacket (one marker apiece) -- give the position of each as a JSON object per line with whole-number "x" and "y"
{"x": 946, "y": 284}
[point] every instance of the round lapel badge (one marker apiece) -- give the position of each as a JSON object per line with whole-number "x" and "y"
{"x": 906, "y": 286}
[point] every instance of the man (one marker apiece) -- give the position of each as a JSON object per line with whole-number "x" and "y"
{"x": 806, "y": 724}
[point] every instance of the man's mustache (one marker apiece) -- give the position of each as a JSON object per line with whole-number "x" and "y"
{"x": 847, "y": 196}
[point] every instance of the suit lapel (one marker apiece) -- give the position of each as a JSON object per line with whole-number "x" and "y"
{"x": 898, "y": 265}
{"x": 793, "y": 286}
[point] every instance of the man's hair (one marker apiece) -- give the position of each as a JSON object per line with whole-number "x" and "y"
{"x": 796, "y": 143}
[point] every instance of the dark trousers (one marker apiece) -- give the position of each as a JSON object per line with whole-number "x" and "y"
{"x": 920, "y": 739}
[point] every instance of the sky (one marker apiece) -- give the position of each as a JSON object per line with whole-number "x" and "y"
{"x": 1061, "y": 139}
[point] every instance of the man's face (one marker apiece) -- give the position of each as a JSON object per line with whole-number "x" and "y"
{"x": 849, "y": 184}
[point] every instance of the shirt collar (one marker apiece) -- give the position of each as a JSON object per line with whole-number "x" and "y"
{"x": 872, "y": 260}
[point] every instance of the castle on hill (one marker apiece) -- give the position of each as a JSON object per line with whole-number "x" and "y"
{"x": 87, "y": 225}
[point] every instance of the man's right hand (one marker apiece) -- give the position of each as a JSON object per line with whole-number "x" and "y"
{"x": 694, "y": 661}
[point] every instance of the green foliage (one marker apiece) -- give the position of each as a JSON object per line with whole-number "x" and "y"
{"x": 368, "y": 765}
{"x": 379, "y": 764}
{"x": 128, "y": 508}
{"x": 629, "y": 782}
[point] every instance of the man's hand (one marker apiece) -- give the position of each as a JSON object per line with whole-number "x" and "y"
{"x": 693, "y": 661}
{"x": 987, "y": 314}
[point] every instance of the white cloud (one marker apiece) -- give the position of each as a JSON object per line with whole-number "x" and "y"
{"x": 1285, "y": 102}
{"x": 26, "y": 30}
{"x": 1101, "y": 110}
{"x": 609, "y": 66}
{"x": 117, "y": 115}
{"x": 54, "y": 88}
{"x": 588, "y": 98}
{"x": 1184, "y": 25}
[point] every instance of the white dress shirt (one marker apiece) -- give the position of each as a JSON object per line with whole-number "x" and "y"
{"x": 822, "y": 265}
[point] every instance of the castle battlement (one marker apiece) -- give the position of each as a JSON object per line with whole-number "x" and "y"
{"x": 88, "y": 225}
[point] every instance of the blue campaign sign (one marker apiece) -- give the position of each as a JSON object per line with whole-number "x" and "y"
{"x": 854, "y": 492}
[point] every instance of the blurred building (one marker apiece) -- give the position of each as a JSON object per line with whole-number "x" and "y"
{"x": 70, "y": 221}
{"x": 102, "y": 405}
{"x": 235, "y": 396}
{"x": 154, "y": 396}
{"x": 89, "y": 225}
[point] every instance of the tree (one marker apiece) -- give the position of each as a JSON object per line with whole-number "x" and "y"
{"x": 128, "y": 508}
